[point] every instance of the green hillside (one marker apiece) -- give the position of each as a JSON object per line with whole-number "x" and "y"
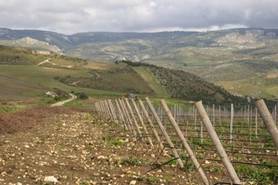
{"x": 26, "y": 75}
{"x": 21, "y": 77}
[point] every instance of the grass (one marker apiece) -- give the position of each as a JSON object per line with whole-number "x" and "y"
{"x": 258, "y": 175}
{"x": 132, "y": 161}
{"x": 120, "y": 78}
{"x": 11, "y": 107}
{"x": 152, "y": 81}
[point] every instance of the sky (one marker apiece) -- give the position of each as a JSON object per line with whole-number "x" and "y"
{"x": 71, "y": 16}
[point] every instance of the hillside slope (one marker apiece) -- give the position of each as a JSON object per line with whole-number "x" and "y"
{"x": 243, "y": 61}
{"x": 26, "y": 75}
{"x": 23, "y": 75}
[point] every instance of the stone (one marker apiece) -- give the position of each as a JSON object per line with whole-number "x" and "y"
{"x": 133, "y": 182}
{"x": 51, "y": 179}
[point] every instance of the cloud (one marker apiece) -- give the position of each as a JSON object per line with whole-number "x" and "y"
{"x": 69, "y": 16}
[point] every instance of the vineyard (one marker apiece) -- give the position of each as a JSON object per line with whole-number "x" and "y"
{"x": 224, "y": 144}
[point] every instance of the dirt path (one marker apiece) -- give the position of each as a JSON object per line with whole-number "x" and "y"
{"x": 61, "y": 103}
{"x": 76, "y": 148}
{"x": 45, "y": 62}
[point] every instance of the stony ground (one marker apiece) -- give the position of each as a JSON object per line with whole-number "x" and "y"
{"x": 72, "y": 147}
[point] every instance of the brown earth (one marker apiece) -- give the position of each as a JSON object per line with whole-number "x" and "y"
{"x": 24, "y": 120}
{"x": 76, "y": 148}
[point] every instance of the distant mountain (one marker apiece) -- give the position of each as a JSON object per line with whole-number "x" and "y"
{"x": 244, "y": 61}
{"x": 28, "y": 42}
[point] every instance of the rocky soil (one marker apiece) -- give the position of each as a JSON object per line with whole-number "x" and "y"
{"x": 72, "y": 147}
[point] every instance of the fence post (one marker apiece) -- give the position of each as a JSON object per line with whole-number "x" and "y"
{"x": 133, "y": 117}
{"x": 103, "y": 110}
{"x": 256, "y": 122}
{"x": 213, "y": 114}
{"x": 142, "y": 121}
{"x": 268, "y": 120}
{"x": 275, "y": 114}
{"x": 128, "y": 117}
{"x": 185, "y": 143}
{"x": 146, "y": 115}
{"x": 195, "y": 118}
{"x": 167, "y": 137}
{"x": 201, "y": 132}
{"x": 219, "y": 147}
{"x": 219, "y": 114}
{"x": 108, "y": 110}
{"x": 248, "y": 114}
{"x": 121, "y": 114}
{"x": 110, "y": 104}
{"x": 231, "y": 123}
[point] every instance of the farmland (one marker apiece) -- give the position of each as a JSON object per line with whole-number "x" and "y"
{"x": 83, "y": 144}
{"x": 250, "y": 149}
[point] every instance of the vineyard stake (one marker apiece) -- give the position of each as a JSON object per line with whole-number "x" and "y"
{"x": 128, "y": 117}
{"x": 121, "y": 114}
{"x": 142, "y": 122}
{"x": 146, "y": 115}
{"x": 219, "y": 147}
{"x": 275, "y": 113}
{"x": 268, "y": 120}
{"x": 213, "y": 114}
{"x": 133, "y": 118}
{"x": 231, "y": 123}
{"x": 185, "y": 143}
{"x": 162, "y": 128}
{"x": 256, "y": 122}
{"x": 108, "y": 110}
{"x": 219, "y": 113}
{"x": 113, "y": 110}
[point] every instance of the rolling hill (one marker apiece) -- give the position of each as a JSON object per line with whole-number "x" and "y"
{"x": 243, "y": 61}
{"x": 27, "y": 75}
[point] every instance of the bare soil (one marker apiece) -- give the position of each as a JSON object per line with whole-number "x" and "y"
{"x": 77, "y": 148}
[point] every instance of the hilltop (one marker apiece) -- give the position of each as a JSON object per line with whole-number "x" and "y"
{"x": 243, "y": 61}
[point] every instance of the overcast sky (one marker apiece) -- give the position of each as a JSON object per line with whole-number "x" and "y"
{"x": 70, "y": 16}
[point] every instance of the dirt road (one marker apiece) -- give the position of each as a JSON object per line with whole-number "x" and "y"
{"x": 61, "y": 103}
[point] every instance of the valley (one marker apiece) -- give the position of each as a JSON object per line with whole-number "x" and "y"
{"x": 240, "y": 60}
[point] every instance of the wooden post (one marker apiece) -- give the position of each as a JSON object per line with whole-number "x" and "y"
{"x": 111, "y": 106}
{"x": 121, "y": 115}
{"x": 248, "y": 114}
{"x": 133, "y": 117}
{"x": 251, "y": 126}
{"x": 213, "y": 114}
{"x": 167, "y": 137}
{"x": 275, "y": 114}
{"x": 186, "y": 127}
{"x": 146, "y": 115}
{"x": 219, "y": 113}
{"x": 201, "y": 132}
{"x": 185, "y": 143}
{"x": 128, "y": 117}
{"x": 108, "y": 110}
{"x": 108, "y": 113}
{"x": 219, "y": 147}
{"x": 231, "y": 123}
{"x": 142, "y": 122}
{"x": 102, "y": 110}
{"x": 256, "y": 122}
{"x": 268, "y": 120}
{"x": 195, "y": 118}
{"x": 104, "y": 116}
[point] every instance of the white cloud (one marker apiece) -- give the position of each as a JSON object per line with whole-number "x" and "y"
{"x": 71, "y": 16}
